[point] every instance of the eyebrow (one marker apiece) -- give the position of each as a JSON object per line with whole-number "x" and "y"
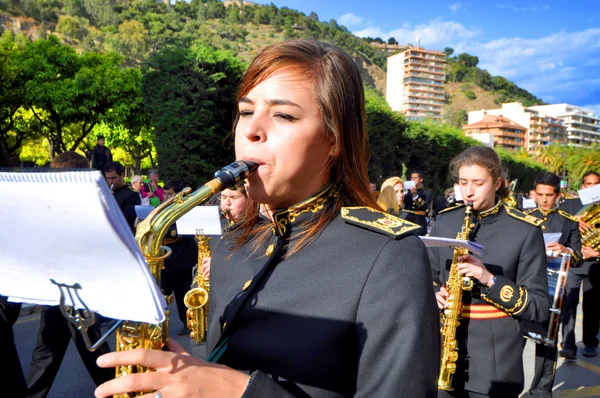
{"x": 273, "y": 102}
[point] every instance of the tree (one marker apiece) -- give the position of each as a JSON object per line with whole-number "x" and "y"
{"x": 467, "y": 60}
{"x": 392, "y": 41}
{"x": 448, "y": 51}
{"x": 133, "y": 37}
{"x": 189, "y": 97}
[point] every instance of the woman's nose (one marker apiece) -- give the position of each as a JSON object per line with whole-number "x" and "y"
{"x": 254, "y": 129}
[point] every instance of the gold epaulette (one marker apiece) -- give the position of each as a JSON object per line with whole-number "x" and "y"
{"x": 519, "y": 215}
{"x": 530, "y": 211}
{"x": 567, "y": 215}
{"x": 447, "y": 209}
{"x": 378, "y": 221}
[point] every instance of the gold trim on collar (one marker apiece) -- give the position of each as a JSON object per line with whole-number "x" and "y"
{"x": 313, "y": 204}
{"x": 546, "y": 212}
{"x": 489, "y": 212}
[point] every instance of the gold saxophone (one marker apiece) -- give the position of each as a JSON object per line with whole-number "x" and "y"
{"x": 149, "y": 236}
{"x": 196, "y": 300}
{"x": 451, "y": 316}
{"x": 511, "y": 198}
{"x": 590, "y": 214}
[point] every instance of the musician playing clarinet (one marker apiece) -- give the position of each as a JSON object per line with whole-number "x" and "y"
{"x": 547, "y": 192}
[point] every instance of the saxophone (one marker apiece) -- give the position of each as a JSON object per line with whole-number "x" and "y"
{"x": 450, "y": 317}
{"x": 149, "y": 236}
{"x": 511, "y": 198}
{"x": 196, "y": 300}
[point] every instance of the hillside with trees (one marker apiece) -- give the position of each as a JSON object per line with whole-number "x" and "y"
{"x": 158, "y": 80}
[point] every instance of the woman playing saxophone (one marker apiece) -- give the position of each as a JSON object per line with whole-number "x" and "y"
{"x": 510, "y": 280}
{"x": 316, "y": 293}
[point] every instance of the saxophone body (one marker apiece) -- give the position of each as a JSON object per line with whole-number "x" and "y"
{"x": 149, "y": 236}
{"x": 590, "y": 214}
{"x": 196, "y": 300}
{"x": 450, "y": 317}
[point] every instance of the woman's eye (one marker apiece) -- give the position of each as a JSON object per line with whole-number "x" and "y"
{"x": 246, "y": 112}
{"x": 285, "y": 116}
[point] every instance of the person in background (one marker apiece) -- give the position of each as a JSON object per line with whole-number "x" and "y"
{"x": 12, "y": 379}
{"x": 125, "y": 196}
{"x": 177, "y": 274}
{"x": 136, "y": 184}
{"x": 587, "y": 275}
{"x": 56, "y": 332}
{"x": 418, "y": 200}
{"x": 101, "y": 155}
{"x": 547, "y": 188}
{"x": 152, "y": 190}
{"x": 234, "y": 203}
{"x": 398, "y": 186}
{"x": 326, "y": 296}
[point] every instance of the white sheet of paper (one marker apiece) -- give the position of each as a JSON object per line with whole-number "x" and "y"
{"x": 529, "y": 203}
{"x": 66, "y": 230}
{"x": 589, "y": 195}
{"x": 552, "y": 237}
{"x": 434, "y": 241}
{"x": 409, "y": 184}
{"x": 205, "y": 218}
{"x": 457, "y": 193}
{"x": 142, "y": 211}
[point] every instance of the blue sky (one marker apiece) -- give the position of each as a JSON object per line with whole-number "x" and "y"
{"x": 551, "y": 48}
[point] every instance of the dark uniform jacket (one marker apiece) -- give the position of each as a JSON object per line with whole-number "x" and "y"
{"x": 101, "y": 156}
{"x": 127, "y": 199}
{"x": 351, "y": 314}
{"x": 572, "y": 206}
{"x": 420, "y": 206}
{"x": 491, "y": 341}
{"x": 554, "y": 221}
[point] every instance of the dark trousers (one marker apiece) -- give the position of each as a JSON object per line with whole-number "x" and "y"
{"x": 52, "y": 342}
{"x": 590, "y": 307}
{"x": 12, "y": 381}
{"x": 179, "y": 284}
{"x": 545, "y": 370}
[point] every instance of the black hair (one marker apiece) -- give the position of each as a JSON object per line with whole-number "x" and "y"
{"x": 114, "y": 166}
{"x": 176, "y": 185}
{"x": 589, "y": 173}
{"x": 419, "y": 172}
{"x": 100, "y": 137}
{"x": 547, "y": 178}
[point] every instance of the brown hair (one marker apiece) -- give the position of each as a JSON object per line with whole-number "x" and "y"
{"x": 240, "y": 187}
{"x": 70, "y": 160}
{"x": 481, "y": 156}
{"x": 340, "y": 96}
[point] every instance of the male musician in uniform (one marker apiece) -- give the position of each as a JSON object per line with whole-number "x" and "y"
{"x": 547, "y": 193}
{"x": 588, "y": 275}
{"x": 126, "y": 197}
{"x": 418, "y": 200}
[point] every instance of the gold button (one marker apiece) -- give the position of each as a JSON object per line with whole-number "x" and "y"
{"x": 247, "y": 284}
{"x": 224, "y": 325}
{"x": 545, "y": 219}
{"x": 543, "y": 227}
{"x": 270, "y": 249}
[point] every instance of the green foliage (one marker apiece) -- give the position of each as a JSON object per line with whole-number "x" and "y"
{"x": 523, "y": 169}
{"x": 189, "y": 97}
{"x": 470, "y": 94}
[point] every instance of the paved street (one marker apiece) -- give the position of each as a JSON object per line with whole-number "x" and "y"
{"x": 574, "y": 379}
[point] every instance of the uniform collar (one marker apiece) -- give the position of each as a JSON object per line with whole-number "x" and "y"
{"x": 490, "y": 212}
{"x": 546, "y": 212}
{"x": 284, "y": 219}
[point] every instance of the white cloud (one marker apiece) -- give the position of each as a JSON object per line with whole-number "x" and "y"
{"x": 436, "y": 34}
{"x": 455, "y": 7}
{"x": 522, "y": 9}
{"x": 350, "y": 19}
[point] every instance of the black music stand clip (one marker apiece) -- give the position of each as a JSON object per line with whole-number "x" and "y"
{"x": 81, "y": 319}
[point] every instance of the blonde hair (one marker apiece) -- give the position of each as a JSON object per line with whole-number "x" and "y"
{"x": 136, "y": 178}
{"x": 391, "y": 182}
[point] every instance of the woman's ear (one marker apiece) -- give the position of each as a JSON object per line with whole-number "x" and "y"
{"x": 498, "y": 183}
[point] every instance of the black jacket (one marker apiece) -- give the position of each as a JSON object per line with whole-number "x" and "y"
{"x": 490, "y": 350}
{"x": 351, "y": 314}
{"x": 556, "y": 220}
{"x": 127, "y": 199}
{"x": 101, "y": 156}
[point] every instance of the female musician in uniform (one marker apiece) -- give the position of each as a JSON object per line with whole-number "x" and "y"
{"x": 325, "y": 297}
{"x": 511, "y": 283}
{"x": 398, "y": 186}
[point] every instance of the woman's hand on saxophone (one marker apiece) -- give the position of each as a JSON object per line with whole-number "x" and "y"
{"x": 177, "y": 375}
{"x": 206, "y": 267}
{"x": 442, "y": 297}
{"x": 472, "y": 267}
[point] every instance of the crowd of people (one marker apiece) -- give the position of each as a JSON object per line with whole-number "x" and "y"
{"x": 317, "y": 289}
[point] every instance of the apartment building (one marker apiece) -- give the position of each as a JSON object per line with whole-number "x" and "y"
{"x": 415, "y": 83}
{"x": 506, "y": 132}
{"x": 582, "y": 125}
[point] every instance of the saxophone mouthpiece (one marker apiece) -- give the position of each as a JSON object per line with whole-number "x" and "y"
{"x": 235, "y": 172}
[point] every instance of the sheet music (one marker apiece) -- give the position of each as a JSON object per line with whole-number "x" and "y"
{"x": 143, "y": 211}
{"x": 68, "y": 226}
{"x": 589, "y": 195}
{"x": 529, "y": 204}
{"x": 434, "y": 241}
{"x": 205, "y": 218}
